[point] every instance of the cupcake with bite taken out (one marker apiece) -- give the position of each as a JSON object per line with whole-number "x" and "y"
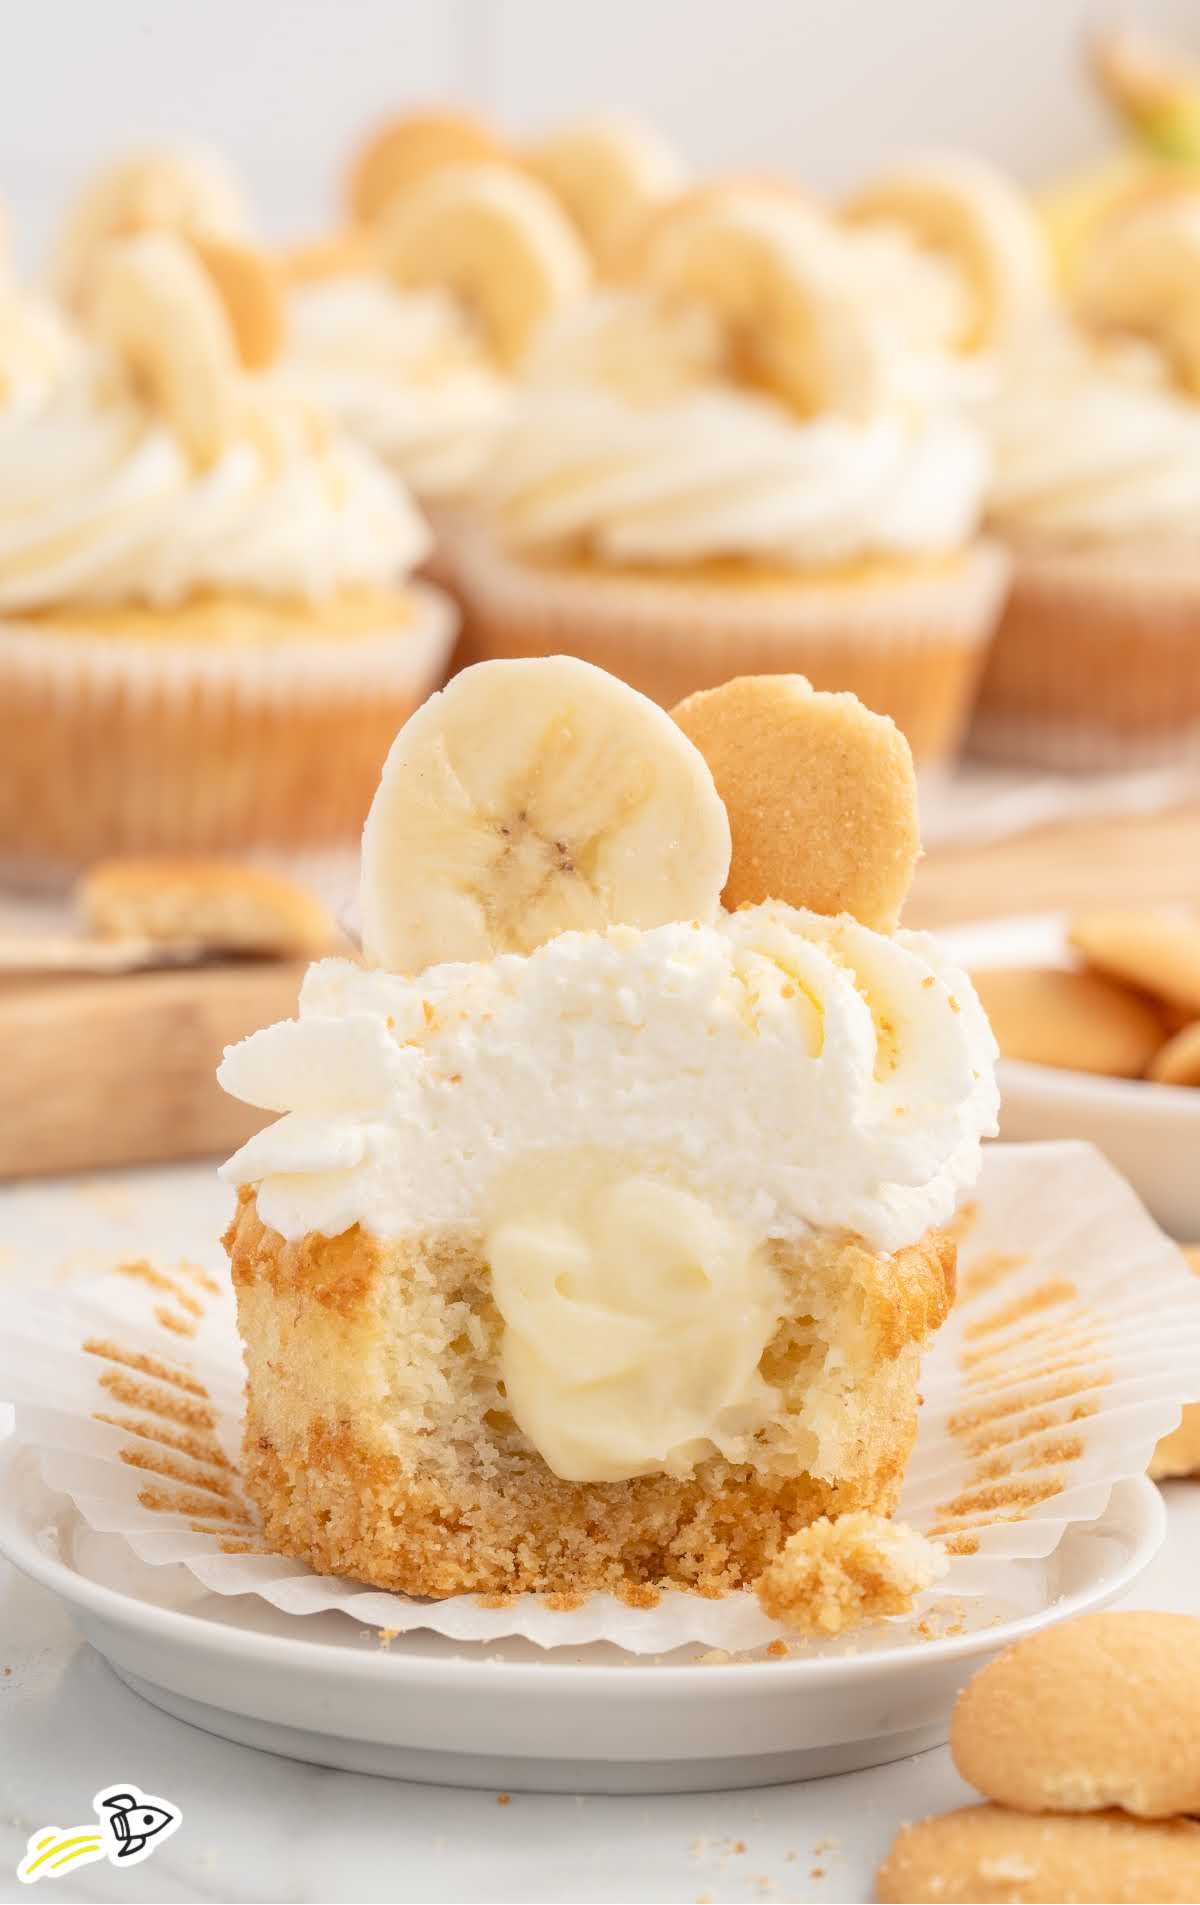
{"x": 729, "y": 468}
{"x": 606, "y": 1214}
{"x": 207, "y": 631}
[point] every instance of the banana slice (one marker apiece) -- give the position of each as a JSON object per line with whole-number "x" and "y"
{"x": 531, "y": 798}
{"x": 404, "y": 151}
{"x": 184, "y": 190}
{"x": 961, "y": 206}
{"x": 608, "y": 175}
{"x": 341, "y": 254}
{"x": 156, "y": 306}
{"x": 627, "y": 262}
{"x": 778, "y": 279}
{"x": 497, "y": 239}
{"x": 251, "y": 289}
{"x": 1145, "y": 278}
{"x": 820, "y": 793}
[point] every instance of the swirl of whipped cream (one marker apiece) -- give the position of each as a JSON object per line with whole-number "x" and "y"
{"x": 99, "y": 503}
{"x": 1093, "y": 445}
{"x": 796, "y": 1072}
{"x": 404, "y": 372}
{"x": 629, "y": 443}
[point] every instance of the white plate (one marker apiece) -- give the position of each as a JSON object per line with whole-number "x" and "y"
{"x": 1151, "y": 1133}
{"x": 507, "y": 1716}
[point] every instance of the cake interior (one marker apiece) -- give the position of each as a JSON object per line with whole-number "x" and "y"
{"x": 379, "y": 1444}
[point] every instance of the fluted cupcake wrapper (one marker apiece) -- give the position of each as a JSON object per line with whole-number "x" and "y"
{"x": 132, "y": 745}
{"x": 1074, "y": 1341}
{"x": 1096, "y": 663}
{"x": 909, "y": 643}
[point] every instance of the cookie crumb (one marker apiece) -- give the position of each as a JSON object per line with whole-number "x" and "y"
{"x": 834, "y": 1575}
{"x": 504, "y": 1799}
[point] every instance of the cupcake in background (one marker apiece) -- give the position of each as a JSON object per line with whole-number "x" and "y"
{"x": 415, "y": 348}
{"x": 1096, "y": 435}
{"x": 207, "y": 635}
{"x": 188, "y": 190}
{"x": 722, "y": 471}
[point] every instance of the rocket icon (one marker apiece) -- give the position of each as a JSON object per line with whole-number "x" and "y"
{"x": 133, "y": 1822}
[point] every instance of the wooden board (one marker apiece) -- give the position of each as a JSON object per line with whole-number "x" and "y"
{"x": 120, "y": 1071}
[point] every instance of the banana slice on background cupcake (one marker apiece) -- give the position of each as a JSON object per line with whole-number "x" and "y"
{"x": 186, "y": 190}
{"x": 778, "y": 282}
{"x": 1143, "y": 280}
{"x": 494, "y": 238}
{"x": 965, "y": 211}
{"x": 609, "y": 175}
{"x": 410, "y": 148}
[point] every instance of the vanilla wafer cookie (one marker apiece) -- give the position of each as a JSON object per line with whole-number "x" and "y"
{"x": 995, "y": 1857}
{"x": 1081, "y": 1021}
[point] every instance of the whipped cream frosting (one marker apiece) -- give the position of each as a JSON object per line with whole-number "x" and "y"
{"x": 405, "y": 371}
{"x": 99, "y": 502}
{"x": 629, "y": 443}
{"x": 796, "y": 1072}
{"x": 1094, "y": 445}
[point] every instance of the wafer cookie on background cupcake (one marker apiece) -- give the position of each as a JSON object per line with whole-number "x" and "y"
{"x": 722, "y": 471}
{"x": 206, "y": 635}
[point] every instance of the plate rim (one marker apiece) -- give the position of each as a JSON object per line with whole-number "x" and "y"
{"x": 1137, "y": 1096}
{"x": 21, "y": 1548}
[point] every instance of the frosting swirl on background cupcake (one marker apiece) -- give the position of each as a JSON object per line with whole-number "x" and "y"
{"x": 100, "y": 502}
{"x": 404, "y": 371}
{"x": 632, "y": 443}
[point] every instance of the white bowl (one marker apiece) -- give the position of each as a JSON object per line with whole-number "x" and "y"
{"x": 1151, "y": 1133}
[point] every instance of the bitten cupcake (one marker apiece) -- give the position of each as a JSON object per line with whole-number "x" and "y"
{"x": 726, "y": 469}
{"x": 206, "y": 634}
{"x": 414, "y": 348}
{"x": 602, "y": 1229}
{"x": 1096, "y": 438}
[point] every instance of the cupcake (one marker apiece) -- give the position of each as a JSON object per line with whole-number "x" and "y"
{"x": 412, "y": 339}
{"x": 725, "y": 469}
{"x": 206, "y": 632}
{"x": 1096, "y": 438}
{"x": 597, "y": 1242}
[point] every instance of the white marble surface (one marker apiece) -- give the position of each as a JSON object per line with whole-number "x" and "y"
{"x": 256, "y": 1827}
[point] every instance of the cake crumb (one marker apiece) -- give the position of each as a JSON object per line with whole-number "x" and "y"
{"x": 816, "y": 1872}
{"x": 834, "y": 1575}
{"x": 739, "y": 1845}
{"x": 778, "y": 1650}
{"x": 504, "y": 1799}
{"x": 386, "y": 1635}
{"x": 715, "y": 1657}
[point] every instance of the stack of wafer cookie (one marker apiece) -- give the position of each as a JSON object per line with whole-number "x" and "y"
{"x": 1085, "y": 1742}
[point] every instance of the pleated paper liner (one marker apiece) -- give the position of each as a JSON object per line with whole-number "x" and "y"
{"x": 1074, "y": 1342}
{"x": 1095, "y": 667}
{"x": 133, "y": 745}
{"x": 908, "y": 641}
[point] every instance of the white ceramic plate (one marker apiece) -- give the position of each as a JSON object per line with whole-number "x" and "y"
{"x": 508, "y": 1717}
{"x": 1151, "y": 1133}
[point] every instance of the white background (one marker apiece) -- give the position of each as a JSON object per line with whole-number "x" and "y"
{"x": 822, "y": 88}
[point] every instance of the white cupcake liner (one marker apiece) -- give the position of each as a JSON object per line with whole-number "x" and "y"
{"x": 910, "y": 642}
{"x": 132, "y": 744}
{"x": 1075, "y": 1341}
{"x": 1096, "y": 663}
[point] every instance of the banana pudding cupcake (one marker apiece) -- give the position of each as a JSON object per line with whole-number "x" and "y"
{"x": 603, "y": 1225}
{"x": 1096, "y": 436}
{"x": 207, "y": 637}
{"x": 725, "y": 469}
{"x": 415, "y": 346}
